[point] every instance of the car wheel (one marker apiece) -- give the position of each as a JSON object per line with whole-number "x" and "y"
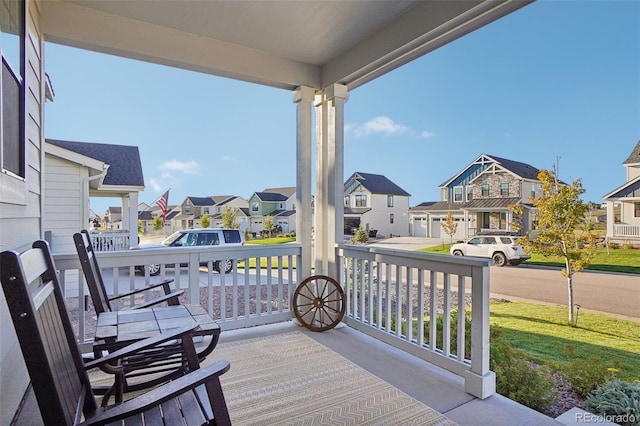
{"x": 458, "y": 253}
{"x": 500, "y": 259}
{"x": 228, "y": 266}
{"x": 154, "y": 269}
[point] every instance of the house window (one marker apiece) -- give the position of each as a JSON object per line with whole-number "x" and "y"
{"x": 206, "y": 210}
{"x": 391, "y": 218}
{"x": 533, "y": 191}
{"x": 636, "y": 209}
{"x": 469, "y": 193}
{"x": 457, "y": 194}
{"x": 361, "y": 200}
{"x": 504, "y": 189}
{"x": 389, "y": 200}
{"x": 187, "y": 209}
{"x": 254, "y": 207}
{"x": 12, "y": 27}
{"x": 346, "y": 200}
{"x": 485, "y": 190}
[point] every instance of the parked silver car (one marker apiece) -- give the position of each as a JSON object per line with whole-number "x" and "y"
{"x": 502, "y": 249}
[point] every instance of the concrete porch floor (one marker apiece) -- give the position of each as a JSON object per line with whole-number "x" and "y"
{"x": 433, "y": 386}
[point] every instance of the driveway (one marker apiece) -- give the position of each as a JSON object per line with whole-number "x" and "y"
{"x": 408, "y": 243}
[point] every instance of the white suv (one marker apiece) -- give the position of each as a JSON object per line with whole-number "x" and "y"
{"x": 502, "y": 249}
{"x": 200, "y": 237}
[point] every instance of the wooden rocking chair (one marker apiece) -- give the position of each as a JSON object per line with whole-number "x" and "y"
{"x": 97, "y": 290}
{"x": 156, "y": 367}
{"x": 58, "y": 374}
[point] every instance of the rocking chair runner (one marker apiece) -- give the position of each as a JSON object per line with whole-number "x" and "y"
{"x": 60, "y": 381}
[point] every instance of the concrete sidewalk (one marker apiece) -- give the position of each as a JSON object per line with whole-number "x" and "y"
{"x": 408, "y": 243}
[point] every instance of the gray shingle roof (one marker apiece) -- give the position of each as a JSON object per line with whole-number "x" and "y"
{"x": 634, "y": 158}
{"x": 271, "y": 196}
{"x": 521, "y": 169}
{"x": 125, "y": 167}
{"x": 377, "y": 184}
{"x": 491, "y": 203}
{"x": 201, "y": 201}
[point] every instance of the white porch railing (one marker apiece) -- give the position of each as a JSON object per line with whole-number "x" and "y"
{"x": 250, "y": 295}
{"x": 381, "y": 300}
{"x": 626, "y": 231}
{"x": 395, "y": 295}
{"x": 110, "y": 240}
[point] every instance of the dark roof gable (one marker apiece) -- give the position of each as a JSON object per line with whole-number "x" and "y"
{"x": 523, "y": 170}
{"x": 634, "y": 158}
{"x": 201, "y": 201}
{"x": 377, "y": 184}
{"x": 125, "y": 167}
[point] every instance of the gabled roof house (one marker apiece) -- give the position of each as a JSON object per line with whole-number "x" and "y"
{"x": 479, "y": 198}
{"x": 279, "y": 203}
{"x": 375, "y": 203}
{"x": 77, "y": 171}
{"x": 627, "y": 196}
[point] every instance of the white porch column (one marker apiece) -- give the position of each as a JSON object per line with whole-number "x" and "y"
{"x": 130, "y": 217}
{"x": 611, "y": 219}
{"x": 303, "y": 97}
{"x": 329, "y": 211}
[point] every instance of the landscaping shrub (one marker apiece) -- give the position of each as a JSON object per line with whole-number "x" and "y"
{"x": 617, "y": 401}
{"x": 517, "y": 378}
{"x": 586, "y": 375}
{"x": 361, "y": 236}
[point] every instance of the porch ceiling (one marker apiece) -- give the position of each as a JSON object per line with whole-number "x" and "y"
{"x": 278, "y": 43}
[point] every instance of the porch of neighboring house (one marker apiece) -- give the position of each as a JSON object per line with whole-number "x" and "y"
{"x": 385, "y": 330}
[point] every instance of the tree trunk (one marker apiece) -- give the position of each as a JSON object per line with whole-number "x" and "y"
{"x": 570, "y": 291}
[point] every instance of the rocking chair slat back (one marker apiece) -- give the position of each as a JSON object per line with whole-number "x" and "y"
{"x": 46, "y": 337}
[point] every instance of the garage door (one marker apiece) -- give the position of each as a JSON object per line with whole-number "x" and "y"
{"x": 436, "y": 229}
{"x": 418, "y": 230}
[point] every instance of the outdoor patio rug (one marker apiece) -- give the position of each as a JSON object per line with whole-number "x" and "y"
{"x": 290, "y": 379}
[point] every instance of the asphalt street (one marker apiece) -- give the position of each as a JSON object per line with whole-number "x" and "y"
{"x": 611, "y": 293}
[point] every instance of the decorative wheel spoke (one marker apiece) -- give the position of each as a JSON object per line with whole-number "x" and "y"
{"x": 319, "y": 303}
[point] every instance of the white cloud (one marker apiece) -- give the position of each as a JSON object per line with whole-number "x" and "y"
{"x": 186, "y": 167}
{"x": 426, "y": 134}
{"x": 383, "y": 125}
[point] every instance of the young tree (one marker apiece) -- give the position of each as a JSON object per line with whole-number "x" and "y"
{"x": 205, "y": 221}
{"x": 229, "y": 217}
{"x": 449, "y": 226}
{"x": 268, "y": 225}
{"x": 156, "y": 223}
{"x": 140, "y": 227}
{"x": 563, "y": 232}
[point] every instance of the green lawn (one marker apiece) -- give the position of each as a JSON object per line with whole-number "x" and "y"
{"x": 274, "y": 240}
{"x": 542, "y": 332}
{"x": 263, "y": 261}
{"x": 617, "y": 260}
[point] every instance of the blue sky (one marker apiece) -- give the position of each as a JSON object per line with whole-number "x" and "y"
{"x": 557, "y": 82}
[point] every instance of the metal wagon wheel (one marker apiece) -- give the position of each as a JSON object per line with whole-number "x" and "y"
{"x": 319, "y": 303}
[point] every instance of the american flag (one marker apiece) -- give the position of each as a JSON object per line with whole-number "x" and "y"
{"x": 162, "y": 202}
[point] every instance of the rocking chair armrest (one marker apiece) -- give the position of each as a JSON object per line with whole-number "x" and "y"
{"x": 161, "y": 394}
{"x": 184, "y": 333}
{"x": 171, "y": 299}
{"x": 140, "y": 290}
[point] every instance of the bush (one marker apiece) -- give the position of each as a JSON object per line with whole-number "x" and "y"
{"x": 586, "y": 375}
{"x": 361, "y": 236}
{"x": 517, "y": 378}
{"x": 617, "y": 400}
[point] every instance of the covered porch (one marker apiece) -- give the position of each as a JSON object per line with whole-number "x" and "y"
{"x": 391, "y": 297}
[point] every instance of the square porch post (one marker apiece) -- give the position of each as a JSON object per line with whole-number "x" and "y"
{"x": 329, "y": 204}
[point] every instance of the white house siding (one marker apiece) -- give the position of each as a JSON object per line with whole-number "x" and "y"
{"x": 20, "y": 214}
{"x": 378, "y": 216}
{"x": 63, "y": 196}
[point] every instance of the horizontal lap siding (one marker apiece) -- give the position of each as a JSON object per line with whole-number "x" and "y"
{"x": 20, "y": 215}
